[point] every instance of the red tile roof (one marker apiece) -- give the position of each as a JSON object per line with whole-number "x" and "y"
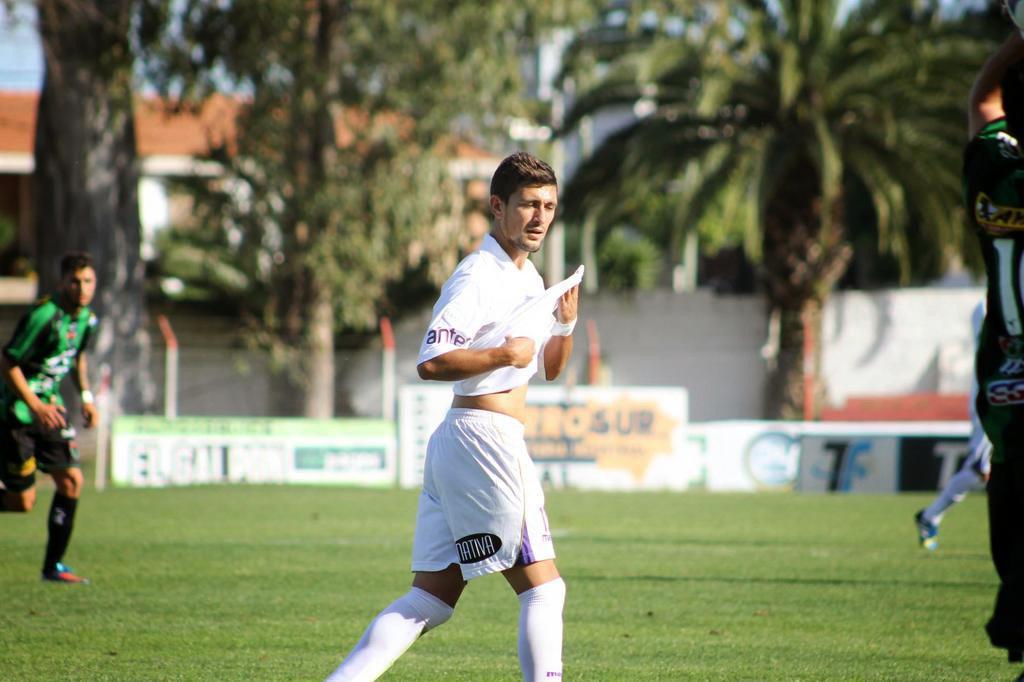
{"x": 162, "y": 131}
{"x": 17, "y": 122}
{"x": 158, "y": 129}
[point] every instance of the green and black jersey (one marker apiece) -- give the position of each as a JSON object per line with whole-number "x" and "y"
{"x": 44, "y": 346}
{"x": 994, "y": 193}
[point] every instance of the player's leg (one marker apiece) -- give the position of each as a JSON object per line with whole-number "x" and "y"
{"x": 446, "y": 585}
{"x": 60, "y": 523}
{"x": 983, "y": 463}
{"x": 537, "y": 583}
{"x": 541, "y": 593}
{"x": 1006, "y": 509}
{"x": 436, "y": 587}
{"x": 17, "y": 470}
{"x": 429, "y": 603}
{"x": 18, "y": 501}
{"x": 956, "y": 489}
{"x": 58, "y": 456}
{"x": 974, "y": 470}
{"x": 540, "y": 589}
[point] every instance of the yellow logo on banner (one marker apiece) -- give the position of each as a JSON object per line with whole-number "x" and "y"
{"x": 624, "y": 434}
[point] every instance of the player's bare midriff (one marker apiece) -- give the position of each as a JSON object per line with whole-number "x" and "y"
{"x": 512, "y": 403}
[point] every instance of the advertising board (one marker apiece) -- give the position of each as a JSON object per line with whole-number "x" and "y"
{"x": 597, "y": 438}
{"x": 157, "y": 452}
{"x": 880, "y": 457}
{"x": 589, "y": 438}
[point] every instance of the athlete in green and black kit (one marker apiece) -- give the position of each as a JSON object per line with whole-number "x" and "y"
{"x": 49, "y": 341}
{"x": 994, "y": 195}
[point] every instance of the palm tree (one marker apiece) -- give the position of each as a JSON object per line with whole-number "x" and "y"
{"x": 761, "y": 120}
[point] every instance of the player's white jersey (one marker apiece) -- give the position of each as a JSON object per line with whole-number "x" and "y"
{"x": 486, "y": 299}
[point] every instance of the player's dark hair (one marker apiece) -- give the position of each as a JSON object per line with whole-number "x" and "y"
{"x": 520, "y": 170}
{"x": 1013, "y": 98}
{"x": 75, "y": 261}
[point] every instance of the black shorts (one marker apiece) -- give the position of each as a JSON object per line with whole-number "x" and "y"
{"x": 23, "y": 449}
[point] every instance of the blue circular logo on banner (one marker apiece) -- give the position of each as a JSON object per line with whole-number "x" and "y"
{"x": 772, "y": 459}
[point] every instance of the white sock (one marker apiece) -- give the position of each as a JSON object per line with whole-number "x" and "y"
{"x": 390, "y": 634}
{"x": 540, "y": 631}
{"x": 955, "y": 491}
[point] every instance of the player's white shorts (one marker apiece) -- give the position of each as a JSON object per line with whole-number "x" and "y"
{"x": 482, "y": 505}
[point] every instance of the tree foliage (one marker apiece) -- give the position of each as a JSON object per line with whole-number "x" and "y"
{"x": 336, "y": 182}
{"x": 757, "y": 120}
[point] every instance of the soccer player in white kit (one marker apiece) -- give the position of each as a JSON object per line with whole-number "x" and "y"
{"x": 481, "y": 510}
{"x": 975, "y": 469}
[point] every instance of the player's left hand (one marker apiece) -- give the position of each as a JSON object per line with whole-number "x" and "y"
{"x": 90, "y": 414}
{"x": 568, "y": 305}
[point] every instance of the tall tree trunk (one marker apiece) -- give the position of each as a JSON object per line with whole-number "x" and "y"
{"x": 794, "y": 389}
{"x": 320, "y": 395}
{"x": 801, "y": 266}
{"x": 86, "y": 178}
{"x": 318, "y": 151}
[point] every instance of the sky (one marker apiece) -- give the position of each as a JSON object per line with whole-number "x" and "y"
{"x": 21, "y": 58}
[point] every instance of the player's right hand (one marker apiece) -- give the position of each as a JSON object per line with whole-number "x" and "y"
{"x": 51, "y": 416}
{"x": 90, "y": 415}
{"x": 520, "y": 349}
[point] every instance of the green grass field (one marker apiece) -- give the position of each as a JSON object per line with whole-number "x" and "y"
{"x": 275, "y": 583}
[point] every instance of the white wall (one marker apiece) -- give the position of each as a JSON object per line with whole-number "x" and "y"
{"x": 154, "y": 212}
{"x": 898, "y": 341}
